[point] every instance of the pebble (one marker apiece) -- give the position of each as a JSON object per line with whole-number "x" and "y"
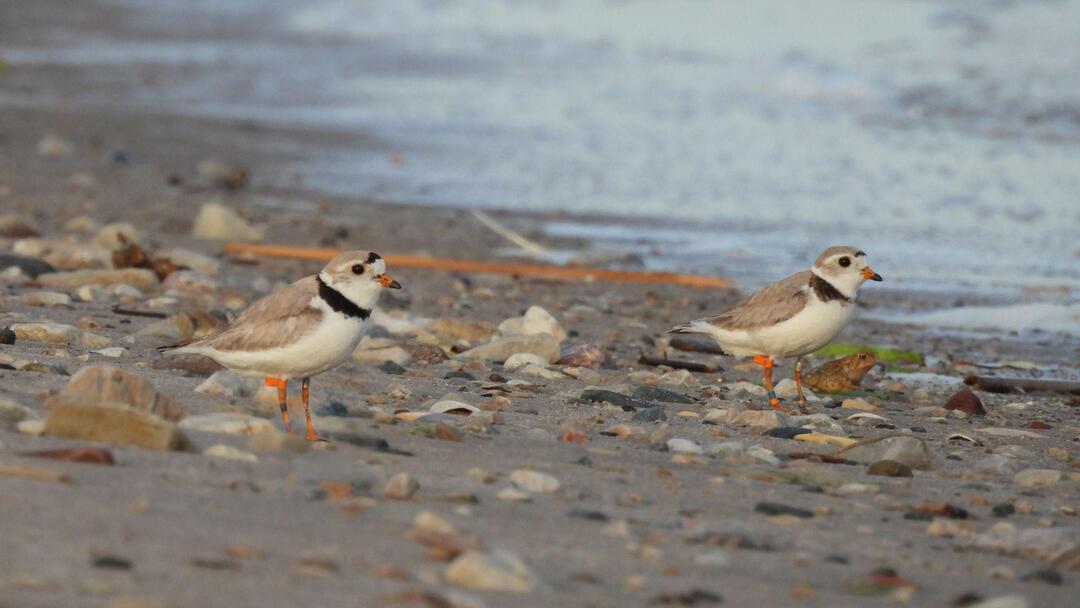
{"x": 1037, "y": 478}
{"x": 7, "y": 335}
{"x": 450, "y": 406}
{"x": 995, "y": 464}
{"x": 189, "y": 282}
{"x": 760, "y": 421}
{"x": 495, "y": 571}
{"x": 684, "y": 446}
{"x": 763, "y": 454}
{"x": 512, "y": 494}
{"x": 228, "y": 452}
{"x": 53, "y": 147}
{"x": 59, "y": 333}
{"x": 858, "y": 404}
{"x": 967, "y": 402}
{"x": 775, "y": 508}
{"x": 536, "y": 320}
{"x": 230, "y": 384}
{"x": 599, "y": 395}
{"x": 1001, "y": 601}
{"x": 34, "y": 427}
{"x": 112, "y": 352}
{"x": 786, "y": 432}
{"x": 649, "y": 414}
{"x": 501, "y": 349}
{"x": 910, "y": 451}
{"x": 534, "y": 481}
{"x": 1046, "y": 544}
{"x": 139, "y": 278}
{"x": 787, "y": 389}
{"x": 116, "y": 235}
{"x": 227, "y": 423}
{"x": 746, "y": 387}
{"x": 30, "y": 266}
{"x": 725, "y": 448}
{"x": 185, "y": 258}
{"x": 217, "y": 222}
{"x": 453, "y": 330}
{"x": 278, "y": 443}
{"x": 111, "y": 424}
{"x": 519, "y": 360}
{"x": 889, "y": 468}
{"x": 648, "y": 392}
{"x": 104, "y": 384}
{"x": 401, "y": 486}
{"x": 11, "y": 411}
{"x": 583, "y": 355}
{"x": 394, "y": 354}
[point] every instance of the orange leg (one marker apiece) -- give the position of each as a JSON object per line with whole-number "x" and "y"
{"x": 280, "y": 384}
{"x": 798, "y": 380}
{"x": 311, "y": 434}
{"x": 767, "y": 363}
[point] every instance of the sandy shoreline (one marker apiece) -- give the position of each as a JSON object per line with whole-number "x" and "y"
{"x": 632, "y": 522}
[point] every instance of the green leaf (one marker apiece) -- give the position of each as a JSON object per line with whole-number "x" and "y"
{"x": 883, "y": 354}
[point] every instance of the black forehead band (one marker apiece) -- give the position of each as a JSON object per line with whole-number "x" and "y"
{"x": 862, "y": 253}
{"x": 372, "y": 257}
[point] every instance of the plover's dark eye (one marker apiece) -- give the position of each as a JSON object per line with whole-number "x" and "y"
{"x": 358, "y": 269}
{"x": 845, "y": 262}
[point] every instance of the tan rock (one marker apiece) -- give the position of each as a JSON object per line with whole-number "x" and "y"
{"x": 501, "y": 349}
{"x": 278, "y": 443}
{"x": 401, "y": 487}
{"x": 111, "y": 423}
{"x": 760, "y": 421}
{"x": 496, "y": 571}
{"x": 116, "y": 235}
{"x": 452, "y": 330}
{"x": 136, "y": 277}
{"x": 59, "y": 333}
{"x": 227, "y": 423}
{"x": 536, "y": 320}
{"x": 104, "y": 384}
{"x": 218, "y": 222}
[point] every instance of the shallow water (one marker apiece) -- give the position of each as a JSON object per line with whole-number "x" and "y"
{"x": 941, "y": 137}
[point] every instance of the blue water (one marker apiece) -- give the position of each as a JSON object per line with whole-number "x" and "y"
{"x": 941, "y": 137}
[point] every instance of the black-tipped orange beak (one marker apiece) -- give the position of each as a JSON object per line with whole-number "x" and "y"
{"x": 869, "y": 274}
{"x": 388, "y": 281}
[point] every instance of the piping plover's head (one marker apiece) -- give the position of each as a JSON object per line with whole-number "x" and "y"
{"x": 360, "y": 276}
{"x": 845, "y": 268}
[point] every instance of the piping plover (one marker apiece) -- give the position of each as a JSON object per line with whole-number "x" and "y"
{"x": 790, "y": 318}
{"x": 305, "y": 329}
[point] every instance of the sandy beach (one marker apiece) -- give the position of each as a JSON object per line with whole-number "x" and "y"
{"x": 589, "y": 478}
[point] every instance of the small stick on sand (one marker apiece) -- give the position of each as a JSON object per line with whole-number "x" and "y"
{"x": 505, "y": 232}
{"x": 992, "y": 384}
{"x": 450, "y": 265}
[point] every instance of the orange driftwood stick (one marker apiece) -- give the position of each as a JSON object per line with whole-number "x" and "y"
{"x": 542, "y": 270}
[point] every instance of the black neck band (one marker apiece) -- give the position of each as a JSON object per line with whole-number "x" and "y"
{"x": 825, "y": 290}
{"x": 339, "y": 303}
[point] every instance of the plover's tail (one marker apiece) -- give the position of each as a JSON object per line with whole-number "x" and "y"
{"x": 178, "y": 348}
{"x": 690, "y": 327}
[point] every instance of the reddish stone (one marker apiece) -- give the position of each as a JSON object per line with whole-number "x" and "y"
{"x": 967, "y": 402}
{"x": 1037, "y": 424}
{"x": 87, "y": 455}
{"x": 574, "y": 437}
{"x": 582, "y": 355}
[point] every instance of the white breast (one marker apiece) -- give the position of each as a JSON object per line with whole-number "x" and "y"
{"x": 807, "y": 331}
{"x": 327, "y": 345}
